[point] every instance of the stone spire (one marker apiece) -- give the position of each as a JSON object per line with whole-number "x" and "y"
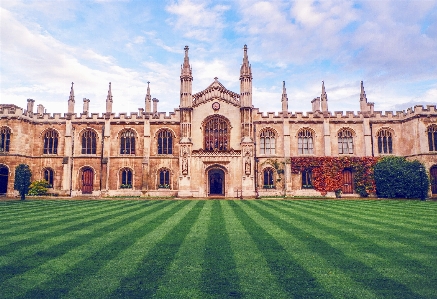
{"x": 324, "y": 98}
{"x": 246, "y": 81}
{"x": 109, "y": 100}
{"x": 71, "y": 100}
{"x": 363, "y": 98}
{"x": 284, "y": 99}
{"x": 364, "y": 105}
{"x": 148, "y": 99}
{"x": 186, "y": 82}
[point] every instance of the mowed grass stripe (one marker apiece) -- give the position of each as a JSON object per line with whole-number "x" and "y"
{"x": 102, "y": 283}
{"x": 55, "y": 216}
{"x": 335, "y": 281}
{"x": 330, "y": 245}
{"x": 43, "y": 244}
{"x": 382, "y": 251}
{"x": 182, "y": 279}
{"x": 256, "y": 279}
{"x": 144, "y": 282}
{"x": 90, "y": 246}
{"x": 373, "y": 230}
{"x": 219, "y": 276}
{"x": 287, "y": 271}
{"x": 35, "y": 210}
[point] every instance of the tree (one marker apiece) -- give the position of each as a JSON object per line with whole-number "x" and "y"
{"x": 22, "y": 179}
{"x": 397, "y": 177}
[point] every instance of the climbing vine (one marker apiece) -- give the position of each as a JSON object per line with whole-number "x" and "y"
{"x": 327, "y": 172}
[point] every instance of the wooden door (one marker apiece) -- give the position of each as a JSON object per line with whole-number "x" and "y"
{"x": 348, "y": 185}
{"x": 433, "y": 173}
{"x": 87, "y": 181}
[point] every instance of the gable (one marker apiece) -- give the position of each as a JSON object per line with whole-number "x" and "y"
{"x": 216, "y": 91}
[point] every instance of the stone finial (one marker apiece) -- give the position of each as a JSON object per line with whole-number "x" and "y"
{"x": 284, "y": 99}
{"x": 148, "y": 98}
{"x": 71, "y": 100}
{"x": 86, "y": 106}
{"x": 109, "y": 100}
{"x": 324, "y": 99}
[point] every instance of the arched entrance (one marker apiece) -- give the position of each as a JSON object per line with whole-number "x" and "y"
{"x": 348, "y": 182}
{"x": 87, "y": 180}
{"x": 216, "y": 182}
{"x": 4, "y": 175}
{"x": 433, "y": 174}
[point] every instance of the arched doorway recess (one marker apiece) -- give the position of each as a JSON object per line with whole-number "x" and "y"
{"x": 4, "y": 176}
{"x": 216, "y": 182}
{"x": 433, "y": 175}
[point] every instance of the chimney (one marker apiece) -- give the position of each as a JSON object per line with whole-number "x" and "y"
{"x": 30, "y": 103}
{"x": 155, "y": 105}
{"x": 40, "y": 109}
{"x": 316, "y": 104}
{"x": 86, "y": 106}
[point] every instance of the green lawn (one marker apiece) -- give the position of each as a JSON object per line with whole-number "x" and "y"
{"x": 218, "y": 249}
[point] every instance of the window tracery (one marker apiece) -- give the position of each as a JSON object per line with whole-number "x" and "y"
{"x": 89, "y": 142}
{"x": 216, "y": 134}
{"x": 305, "y": 141}
{"x": 5, "y": 139}
{"x": 385, "y": 141}
{"x": 127, "y": 143}
{"x": 50, "y": 142}
{"x": 345, "y": 142}
{"x": 267, "y": 142}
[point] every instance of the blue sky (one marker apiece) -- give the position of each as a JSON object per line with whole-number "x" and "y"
{"x": 390, "y": 45}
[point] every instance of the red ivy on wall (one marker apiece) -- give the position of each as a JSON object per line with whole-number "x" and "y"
{"x": 327, "y": 172}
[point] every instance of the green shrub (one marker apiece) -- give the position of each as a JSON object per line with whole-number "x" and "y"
{"x": 22, "y": 179}
{"x": 396, "y": 177}
{"x": 38, "y": 187}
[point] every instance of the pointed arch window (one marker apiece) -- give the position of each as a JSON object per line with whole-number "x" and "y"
{"x": 164, "y": 178}
{"x": 5, "y": 139}
{"x": 267, "y": 142}
{"x": 385, "y": 141}
{"x": 89, "y": 142}
{"x": 345, "y": 142}
{"x": 50, "y": 143}
{"x": 127, "y": 143}
{"x": 126, "y": 178}
{"x": 165, "y": 142}
{"x": 432, "y": 138}
{"x": 268, "y": 179}
{"x": 305, "y": 141}
{"x": 216, "y": 134}
{"x": 49, "y": 176}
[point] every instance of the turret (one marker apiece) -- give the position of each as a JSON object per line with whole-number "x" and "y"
{"x": 148, "y": 99}
{"x": 246, "y": 81}
{"x": 86, "y": 106}
{"x": 71, "y": 100}
{"x": 284, "y": 99}
{"x": 186, "y": 82}
{"x": 109, "y": 100}
{"x": 324, "y": 99}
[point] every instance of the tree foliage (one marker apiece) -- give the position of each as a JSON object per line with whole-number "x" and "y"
{"x": 396, "y": 177}
{"x": 38, "y": 187}
{"x": 22, "y": 179}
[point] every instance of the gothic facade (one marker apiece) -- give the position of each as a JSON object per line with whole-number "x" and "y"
{"x": 215, "y": 144}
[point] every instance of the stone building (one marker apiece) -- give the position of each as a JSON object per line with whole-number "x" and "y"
{"x": 215, "y": 144}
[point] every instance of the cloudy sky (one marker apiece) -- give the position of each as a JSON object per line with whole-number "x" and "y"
{"x": 390, "y": 45}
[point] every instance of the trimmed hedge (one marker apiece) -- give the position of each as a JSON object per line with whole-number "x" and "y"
{"x": 396, "y": 177}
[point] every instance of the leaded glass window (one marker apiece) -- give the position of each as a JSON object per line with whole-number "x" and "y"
{"x": 305, "y": 142}
{"x": 89, "y": 142}
{"x": 50, "y": 142}
{"x": 385, "y": 142}
{"x": 267, "y": 142}
{"x": 216, "y": 134}
{"x": 345, "y": 142}
{"x": 127, "y": 143}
